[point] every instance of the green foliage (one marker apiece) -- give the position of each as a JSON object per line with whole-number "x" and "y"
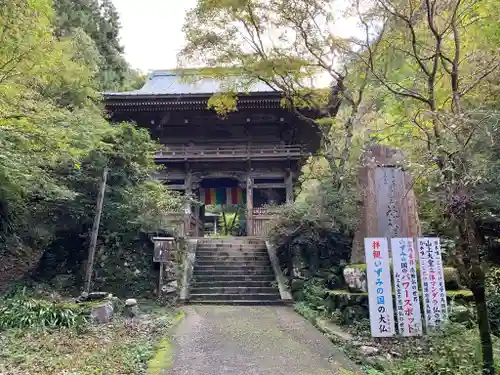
{"x": 303, "y": 235}
{"x": 493, "y": 300}
{"x": 447, "y": 354}
{"x": 304, "y": 309}
{"x": 97, "y": 22}
{"x": 120, "y": 347}
{"x": 21, "y": 312}
{"x": 55, "y": 57}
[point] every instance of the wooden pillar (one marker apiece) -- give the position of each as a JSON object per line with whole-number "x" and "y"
{"x": 198, "y": 228}
{"x": 187, "y": 208}
{"x": 289, "y": 188}
{"x": 249, "y": 205}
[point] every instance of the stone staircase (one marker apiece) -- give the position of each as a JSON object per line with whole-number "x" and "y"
{"x": 233, "y": 271}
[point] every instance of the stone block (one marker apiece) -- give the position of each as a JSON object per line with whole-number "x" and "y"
{"x": 451, "y": 278}
{"x": 355, "y": 278}
{"x": 103, "y": 313}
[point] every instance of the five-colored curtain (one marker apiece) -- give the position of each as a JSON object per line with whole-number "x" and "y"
{"x": 233, "y": 195}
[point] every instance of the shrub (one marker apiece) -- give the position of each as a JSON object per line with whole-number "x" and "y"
{"x": 493, "y": 298}
{"x": 309, "y": 238}
{"x": 448, "y": 353}
{"x": 22, "y": 312}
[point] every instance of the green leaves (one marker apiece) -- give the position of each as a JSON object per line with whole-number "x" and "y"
{"x": 22, "y": 312}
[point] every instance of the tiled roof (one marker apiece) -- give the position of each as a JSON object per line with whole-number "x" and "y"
{"x": 163, "y": 82}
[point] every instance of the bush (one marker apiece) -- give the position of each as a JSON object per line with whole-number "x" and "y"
{"x": 493, "y": 299}
{"x": 455, "y": 351}
{"x": 309, "y": 241}
{"x": 22, "y": 312}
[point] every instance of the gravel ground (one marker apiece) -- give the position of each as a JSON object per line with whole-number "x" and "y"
{"x": 242, "y": 340}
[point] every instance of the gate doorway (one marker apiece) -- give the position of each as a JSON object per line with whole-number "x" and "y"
{"x": 224, "y": 207}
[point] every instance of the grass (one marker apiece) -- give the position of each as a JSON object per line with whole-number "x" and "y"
{"x": 122, "y": 347}
{"x": 163, "y": 357}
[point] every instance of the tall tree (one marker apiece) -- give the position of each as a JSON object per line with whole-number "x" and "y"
{"x": 433, "y": 69}
{"x": 285, "y": 44}
{"x": 100, "y": 21}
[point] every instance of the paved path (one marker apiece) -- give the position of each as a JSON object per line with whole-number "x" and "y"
{"x": 241, "y": 340}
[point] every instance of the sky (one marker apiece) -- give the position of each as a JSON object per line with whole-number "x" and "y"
{"x": 152, "y": 31}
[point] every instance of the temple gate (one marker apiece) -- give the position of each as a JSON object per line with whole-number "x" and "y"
{"x": 260, "y": 147}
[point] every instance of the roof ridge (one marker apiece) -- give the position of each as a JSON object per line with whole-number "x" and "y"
{"x": 177, "y": 72}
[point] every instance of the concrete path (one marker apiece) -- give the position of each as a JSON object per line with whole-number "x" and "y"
{"x": 243, "y": 340}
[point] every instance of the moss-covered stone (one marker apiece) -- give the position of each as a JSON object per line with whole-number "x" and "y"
{"x": 296, "y": 285}
{"x": 451, "y": 278}
{"x": 355, "y": 279}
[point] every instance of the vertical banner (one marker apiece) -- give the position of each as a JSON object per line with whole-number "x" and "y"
{"x": 404, "y": 265}
{"x": 432, "y": 277}
{"x": 378, "y": 276}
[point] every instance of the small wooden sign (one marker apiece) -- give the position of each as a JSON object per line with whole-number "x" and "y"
{"x": 164, "y": 246}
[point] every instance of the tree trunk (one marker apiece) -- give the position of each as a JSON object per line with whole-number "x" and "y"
{"x": 477, "y": 280}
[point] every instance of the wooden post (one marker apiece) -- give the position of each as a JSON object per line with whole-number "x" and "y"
{"x": 289, "y": 188}
{"x": 187, "y": 210}
{"x": 249, "y": 205}
{"x": 198, "y": 229}
{"x": 95, "y": 230}
{"x": 160, "y": 282}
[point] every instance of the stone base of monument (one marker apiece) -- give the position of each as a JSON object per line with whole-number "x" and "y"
{"x": 352, "y": 306}
{"x": 355, "y": 278}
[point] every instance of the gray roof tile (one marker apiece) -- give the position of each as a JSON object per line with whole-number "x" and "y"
{"x": 164, "y": 82}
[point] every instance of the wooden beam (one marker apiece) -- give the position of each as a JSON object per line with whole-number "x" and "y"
{"x": 176, "y": 187}
{"x": 270, "y": 185}
{"x": 187, "y": 208}
{"x": 95, "y": 230}
{"x": 249, "y": 205}
{"x": 289, "y": 187}
{"x": 257, "y": 174}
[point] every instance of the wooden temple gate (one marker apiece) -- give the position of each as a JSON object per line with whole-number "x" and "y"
{"x": 260, "y": 147}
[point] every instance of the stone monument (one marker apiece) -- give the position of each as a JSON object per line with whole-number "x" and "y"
{"x": 388, "y": 206}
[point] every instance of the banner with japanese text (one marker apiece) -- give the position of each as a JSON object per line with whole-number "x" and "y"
{"x": 404, "y": 266}
{"x": 432, "y": 279}
{"x": 378, "y": 276}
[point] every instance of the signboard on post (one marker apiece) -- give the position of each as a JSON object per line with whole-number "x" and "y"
{"x": 379, "y": 287}
{"x": 404, "y": 265}
{"x": 432, "y": 278}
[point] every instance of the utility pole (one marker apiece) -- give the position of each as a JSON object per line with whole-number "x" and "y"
{"x": 95, "y": 230}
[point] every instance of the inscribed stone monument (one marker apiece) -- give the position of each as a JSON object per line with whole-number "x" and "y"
{"x": 388, "y": 204}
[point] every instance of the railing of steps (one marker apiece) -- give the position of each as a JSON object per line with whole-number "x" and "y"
{"x": 262, "y": 220}
{"x": 185, "y": 225}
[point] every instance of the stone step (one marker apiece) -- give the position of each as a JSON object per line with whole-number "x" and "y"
{"x": 233, "y": 274}
{"x": 233, "y": 270}
{"x": 237, "y": 255}
{"x": 231, "y": 256}
{"x": 233, "y": 264}
{"x": 234, "y": 297}
{"x": 225, "y": 277}
{"x": 239, "y": 302}
{"x": 234, "y": 290}
{"x": 231, "y": 248}
{"x": 231, "y": 240}
{"x": 232, "y": 283}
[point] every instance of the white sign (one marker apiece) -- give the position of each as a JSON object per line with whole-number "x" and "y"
{"x": 378, "y": 276}
{"x": 432, "y": 277}
{"x": 404, "y": 266}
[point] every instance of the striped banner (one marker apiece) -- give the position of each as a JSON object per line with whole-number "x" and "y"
{"x": 222, "y": 196}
